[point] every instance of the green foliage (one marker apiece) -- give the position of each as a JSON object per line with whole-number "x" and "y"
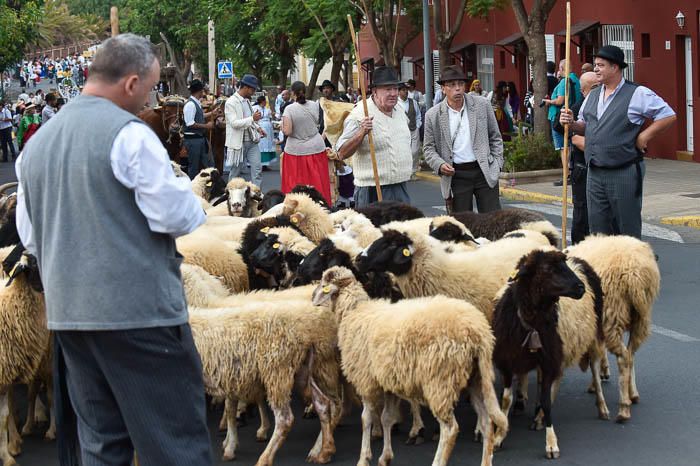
{"x": 17, "y": 28}
{"x": 58, "y": 26}
{"x": 98, "y": 8}
{"x": 481, "y": 8}
{"x": 533, "y": 151}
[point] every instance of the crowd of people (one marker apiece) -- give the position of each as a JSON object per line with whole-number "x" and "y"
{"x": 31, "y": 72}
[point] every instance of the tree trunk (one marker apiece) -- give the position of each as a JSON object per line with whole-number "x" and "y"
{"x": 181, "y": 71}
{"x": 337, "y": 66}
{"x": 538, "y": 58}
{"x": 311, "y": 88}
{"x": 282, "y": 78}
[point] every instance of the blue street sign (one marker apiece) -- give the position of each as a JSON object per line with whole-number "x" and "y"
{"x": 225, "y": 69}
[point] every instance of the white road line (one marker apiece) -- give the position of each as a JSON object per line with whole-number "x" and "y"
{"x": 673, "y": 334}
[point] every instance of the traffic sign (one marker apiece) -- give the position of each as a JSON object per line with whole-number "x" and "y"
{"x": 225, "y": 69}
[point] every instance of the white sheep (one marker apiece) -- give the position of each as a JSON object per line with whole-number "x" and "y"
{"x": 312, "y": 219}
{"x": 244, "y": 198}
{"x": 424, "y": 350}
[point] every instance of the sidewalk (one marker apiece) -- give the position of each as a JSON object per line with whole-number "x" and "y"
{"x": 671, "y": 192}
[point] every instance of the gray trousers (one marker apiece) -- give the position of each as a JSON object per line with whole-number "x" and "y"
{"x": 614, "y": 205}
{"x": 137, "y": 390}
{"x": 197, "y": 153}
{"x": 415, "y": 149}
{"x": 251, "y": 157}
{"x": 470, "y": 183}
{"x": 365, "y": 195}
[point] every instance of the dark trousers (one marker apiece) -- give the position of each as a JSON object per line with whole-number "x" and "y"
{"x": 614, "y": 197}
{"x": 365, "y": 195}
{"x": 6, "y": 142}
{"x": 197, "y": 153}
{"x": 579, "y": 224}
{"x": 468, "y": 183}
{"x": 137, "y": 390}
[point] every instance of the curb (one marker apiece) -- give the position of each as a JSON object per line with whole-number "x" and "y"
{"x": 692, "y": 221}
{"x": 510, "y": 193}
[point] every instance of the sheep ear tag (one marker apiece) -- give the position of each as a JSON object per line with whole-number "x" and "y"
{"x": 406, "y": 252}
{"x": 13, "y": 273}
{"x": 323, "y": 294}
{"x": 276, "y": 246}
{"x": 513, "y": 276}
{"x": 209, "y": 183}
{"x": 265, "y": 230}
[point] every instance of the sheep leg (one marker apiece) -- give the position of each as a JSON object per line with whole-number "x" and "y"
{"x": 15, "y": 439}
{"x": 603, "y": 412}
{"x": 283, "y": 424}
{"x": 222, "y": 422}
{"x": 623, "y": 363}
{"x": 230, "y": 443}
{"x": 7, "y": 459}
{"x": 368, "y": 416}
{"x": 390, "y": 415}
{"x": 51, "y": 432}
{"x": 605, "y": 366}
{"x": 521, "y": 394}
{"x": 551, "y": 445}
{"x": 32, "y": 392}
{"x": 261, "y": 435}
{"x": 485, "y": 426}
{"x": 634, "y": 393}
{"x": 322, "y": 452}
{"x": 448, "y": 436}
{"x": 417, "y": 434}
{"x": 377, "y": 431}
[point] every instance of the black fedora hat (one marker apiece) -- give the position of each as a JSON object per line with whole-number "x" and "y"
{"x": 612, "y": 54}
{"x": 452, "y": 73}
{"x": 326, "y": 83}
{"x": 250, "y": 81}
{"x": 385, "y": 76}
{"x": 196, "y": 85}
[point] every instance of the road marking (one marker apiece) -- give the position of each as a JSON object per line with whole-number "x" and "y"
{"x": 673, "y": 334}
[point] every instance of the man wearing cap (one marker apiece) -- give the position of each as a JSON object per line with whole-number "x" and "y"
{"x": 392, "y": 142}
{"x": 611, "y": 120}
{"x": 464, "y": 146}
{"x": 195, "y": 130}
{"x": 327, "y": 89}
{"x": 243, "y": 132}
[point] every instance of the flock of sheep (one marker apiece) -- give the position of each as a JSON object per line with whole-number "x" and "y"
{"x": 372, "y": 306}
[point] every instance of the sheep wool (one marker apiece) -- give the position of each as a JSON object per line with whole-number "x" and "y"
{"x": 312, "y": 219}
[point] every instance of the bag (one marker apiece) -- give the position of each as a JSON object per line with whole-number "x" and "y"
{"x": 253, "y": 133}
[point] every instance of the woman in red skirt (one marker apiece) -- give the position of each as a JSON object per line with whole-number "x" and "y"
{"x": 304, "y": 160}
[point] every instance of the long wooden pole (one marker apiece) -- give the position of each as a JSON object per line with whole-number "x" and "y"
{"x": 565, "y": 158}
{"x": 114, "y": 20}
{"x": 363, "y": 89}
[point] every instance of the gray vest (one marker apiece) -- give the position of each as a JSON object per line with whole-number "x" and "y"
{"x": 611, "y": 141}
{"x": 411, "y": 114}
{"x": 101, "y": 266}
{"x": 198, "y": 118}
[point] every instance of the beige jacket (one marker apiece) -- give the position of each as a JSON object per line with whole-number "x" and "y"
{"x": 486, "y": 140}
{"x": 236, "y": 124}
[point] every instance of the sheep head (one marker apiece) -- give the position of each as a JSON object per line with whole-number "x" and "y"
{"x": 323, "y": 257}
{"x": 8, "y": 221}
{"x": 243, "y": 197}
{"x": 332, "y": 282}
{"x": 393, "y": 252}
{"x": 446, "y": 228}
{"x": 280, "y": 254}
{"x": 312, "y": 192}
{"x": 177, "y": 169}
{"x": 19, "y": 263}
{"x": 271, "y": 198}
{"x": 210, "y": 183}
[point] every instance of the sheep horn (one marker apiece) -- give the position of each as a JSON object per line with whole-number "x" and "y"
{"x": 6, "y": 186}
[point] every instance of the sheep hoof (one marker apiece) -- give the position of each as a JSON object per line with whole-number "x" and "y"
{"x": 384, "y": 461}
{"x": 14, "y": 449}
{"x": 621, "y": 419}
{"x": 590, "y": 389}
{"x": 27, "y": 429}
{"x": 623, "y": 414}
{"x": 9, "y": 462}
{"x": 537, "y": 424}
{"x": 50, "y": 436}
{"x": 417, "y": 439}
{"x": 321, "y": 458}
{"x": 519, "y": 407}
{"x": 228, "y": 457}
{"x": 478, "y": 438}
{"x": 605, "y": 377}
{"x": 635, "y": 399}
{"x": 552, "y": 454}
{"x": 261, "y": 437}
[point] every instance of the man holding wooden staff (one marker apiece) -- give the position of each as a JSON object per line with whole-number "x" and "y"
{"x": 392, "y": 142}
{"x": 611, "y": 120}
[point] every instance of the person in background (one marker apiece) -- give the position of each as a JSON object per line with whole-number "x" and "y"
{"x": 415, "y": 121}
{"x": 243, "y": 132}
{"x": 38, "y": 99}
{"x": 501, "y": 107}
{"x": 28, "y": 125}
{"x": 327, "y": 89}
{"x": 195, "y": 130}
{"x": 552, "y": 80}
{"x": 267, "y": 142}
{"x": 6, "y": 144}
{"x": 587, "y": 68}
{"x": 304, "y": 160}
{"x": 49, "y": 109}
{"x": 514, "y": 101}
{"x": 476, "y": 89}
{"x": 415, "y": 94}
{"x": 350, "y": 95}
{"x": 611, "y": 120}
{"x": 60, "y": 102}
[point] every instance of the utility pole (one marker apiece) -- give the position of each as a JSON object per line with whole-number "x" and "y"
{"x": 212, "y": 57}
{"x": 427, "y": 56}
{"x": 114, "y": 20}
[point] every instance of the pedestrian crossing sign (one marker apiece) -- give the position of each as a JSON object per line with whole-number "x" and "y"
{"x": 225, "y": 69}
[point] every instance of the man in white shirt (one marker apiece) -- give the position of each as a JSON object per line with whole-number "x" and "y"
{"x": 6, "y": 133}
{"x": 24, "y": 97}
{"x": 196, "y": 128}
{"x": 243, "y": 132}
{"x": 415, "y": 121}
{"x": 415, "y": 94}
{"x": 467, "y": 157}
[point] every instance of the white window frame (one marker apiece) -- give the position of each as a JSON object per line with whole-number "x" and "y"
{"x": 485, "y": 66}
{"x": 621, "y": 35}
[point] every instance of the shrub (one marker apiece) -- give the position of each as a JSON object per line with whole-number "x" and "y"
{"x": 533, "y": 151}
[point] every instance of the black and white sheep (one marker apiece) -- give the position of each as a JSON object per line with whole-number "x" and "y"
{"x": 384, "y": 212}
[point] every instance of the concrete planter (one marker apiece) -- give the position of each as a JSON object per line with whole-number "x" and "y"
{"x": 534, "y": 176}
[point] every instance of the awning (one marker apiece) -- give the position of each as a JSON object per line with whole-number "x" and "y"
{"x": 580, "y": 27}
{"x": 367, "y": 60}
{"x": 511, "y": 40}
{"x": 461, "y": 46}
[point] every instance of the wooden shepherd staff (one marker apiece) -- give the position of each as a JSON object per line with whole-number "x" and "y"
{"x": 565, "y": 162}
{"x": 363, "y": 89}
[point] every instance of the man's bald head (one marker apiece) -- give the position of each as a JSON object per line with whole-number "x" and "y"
{"x": 588, "y": 80}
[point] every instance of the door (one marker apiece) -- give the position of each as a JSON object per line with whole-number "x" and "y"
{"x": 689, "y": 92}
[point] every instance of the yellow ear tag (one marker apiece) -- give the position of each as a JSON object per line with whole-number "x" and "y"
{"x": 209, "y": 184}
{"x": 326, "y": 289}
{"x": 265, "y": 230}
{"x": 513, "y": 274}
{"x": 406, "y": 252}
{"x": 294, "y": 220}
{"x": 276, "y": 246}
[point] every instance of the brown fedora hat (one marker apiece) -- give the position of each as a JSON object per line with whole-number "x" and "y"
{"x": 452, "y": 73}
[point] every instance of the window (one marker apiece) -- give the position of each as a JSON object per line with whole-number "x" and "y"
{"x": 484, "y": 66}
{"x": 622, "y": 36}
{"x": 549, "y": 45}
{"x": 502, "y": 59}
{"x": 646, "y": 45}
{"x": 406, "y": 69}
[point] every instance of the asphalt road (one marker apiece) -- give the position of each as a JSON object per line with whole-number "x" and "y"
{"x": 664, "y": 428}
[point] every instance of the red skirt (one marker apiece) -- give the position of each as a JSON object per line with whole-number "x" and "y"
{"x": 306, "y": 169}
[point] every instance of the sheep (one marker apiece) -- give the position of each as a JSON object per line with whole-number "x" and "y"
{"x": 8, "y": 214}
{"x": 549, "y": 317}
{"x": 312, "y": 219}
{"x": 493, "y": 225}
{"x": 358, "y": 228}
{"x": 312, "y": 192}
{"x": 177, "y": 169}
{"x": 421, "y": 267}
{"x": 25, "y": 338}
{"x": 225, "y": 228}
{"x": 388, "y": 211}
{"x": 271, "y": 198}
{"x": 424, "y": 350}
{"x": 279, "y": 255}
{"x": 448, "y": 229}
{"x": 243, "y": 198}
{"x": 261, "y": 351}
{"x": 208, "y": 184}
{"x": 631, "y": 280}
{"x": 216, "y": 257}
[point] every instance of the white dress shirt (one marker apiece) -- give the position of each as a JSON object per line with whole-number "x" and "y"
{"x": 5, "y": 113}
{"x": 462, "y": 150}
{"x": 139, "y": 162}
{"x": 189, "y": 110}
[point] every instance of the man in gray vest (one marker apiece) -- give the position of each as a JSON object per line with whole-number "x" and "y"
{"x": 611, "y": 119}
{"x": 100, "y": 214}
{"x": 196, "y": 129}
{"x": 415, "y": 121}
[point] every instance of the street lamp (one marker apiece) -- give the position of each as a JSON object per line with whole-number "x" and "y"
{"x": 680, "y": 19}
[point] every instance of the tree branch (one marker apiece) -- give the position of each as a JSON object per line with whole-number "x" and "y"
{"x": 170, "y": 51}
{"x": 458, "y": 22}
{"x": 521, "y": 15}
{"x": 323, "y": 30}
{"x": 396, "y": 30}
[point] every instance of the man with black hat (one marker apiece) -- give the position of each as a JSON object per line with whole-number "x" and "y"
{"x": 392, "y": 142}
{"x": 327, "y": 89}
{"x": 195, "y": 130}
{"x": 243, "y": 132}
{"x": 611, "y": 119}
{"x": 464, "y": 146}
